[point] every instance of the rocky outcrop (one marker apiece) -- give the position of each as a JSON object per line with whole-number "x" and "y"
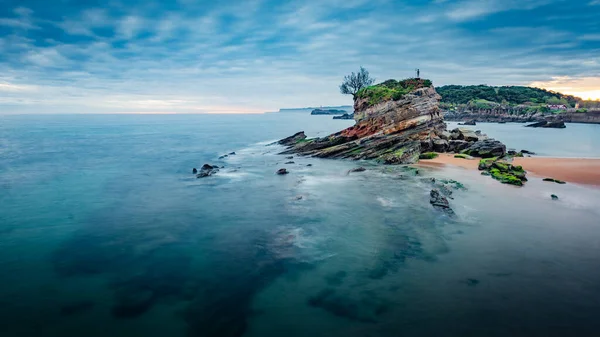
{"x": 327, "y": 112}
{"x": 395, "y": 125}
{"x": 439, "y": 202}
{"x": 521, "y": 115}
{"x": 344, "y": 116}
{"x": 391, "y": 131}
{"x": 548, "y": 124}
{"x": 207, "y": 171}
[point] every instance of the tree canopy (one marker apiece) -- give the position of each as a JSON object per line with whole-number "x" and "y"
{"x": 458, "y": 94}
{"x": 356, "y": 81}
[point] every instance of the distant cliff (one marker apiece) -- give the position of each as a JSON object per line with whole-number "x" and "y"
{"x": 328, "y": 112}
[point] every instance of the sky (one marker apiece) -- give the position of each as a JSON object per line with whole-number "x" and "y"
{"x": 219, "y": 56}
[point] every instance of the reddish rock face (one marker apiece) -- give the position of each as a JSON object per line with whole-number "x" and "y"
{"x": 392, "y": 131}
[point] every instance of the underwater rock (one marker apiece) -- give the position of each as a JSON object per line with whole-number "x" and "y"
{"x": 232, "y": 153}
{"x": 554, "y": 197}
{"x": 366, "y": 309}
{"x": 309, "y": 165}
{"x": 358, "y": 169}
{"x": 132, "y": 303}
{"x": 207, "y": 170}
{"x": 194, "y": 170}
{"x": 289, "y": 163}
{"x": 76, "y": 307}
{"x": 282, "y": 171}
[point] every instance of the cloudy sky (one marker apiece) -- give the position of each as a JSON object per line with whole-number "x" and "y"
{"x": 195, "y": 56}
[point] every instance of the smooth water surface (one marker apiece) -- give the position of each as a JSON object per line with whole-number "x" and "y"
{"x": 104, "y": 231}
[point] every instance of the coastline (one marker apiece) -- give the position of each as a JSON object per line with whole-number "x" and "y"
{"x": 572, "y": 170}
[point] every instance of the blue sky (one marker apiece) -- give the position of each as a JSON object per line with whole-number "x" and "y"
{"x": 194, "y": 56}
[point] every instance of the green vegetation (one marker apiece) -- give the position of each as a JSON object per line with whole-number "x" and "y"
{"x": 462, "y": 156}
{"x": 428, "y": 155}
{"x": 504, "y": 172}
{"x": 552, "y": 180}
{"x": 391, "y": 90}
{"x": 514, "y": 95}
{"x": 455, "y": 184}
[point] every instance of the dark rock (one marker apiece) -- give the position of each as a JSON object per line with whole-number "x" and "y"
{"x": 457, "y": 145}
{"x": 366, "y": 309}
{"x": 76, "y": 308}
{"x": 527, "y": 152}
{"x": 440, "y": 202}
{"x": 290, "y": 157}
{"x": 487, "y": 148}
{"x": 554, "y": 197}
{"x": 194, "y": 170}
{"x": 289, "y": 163}
{"x": 293, "y": 140}
{"x": 358, "y": 169}
{"x": 223, "y": 156}
{"x": 308, "y": 165}
{"x": 207, "y": 170}
{"x": 232, "y": 153}
{"x": 440, "y": 145}
{"x": 327, "y": 112}
{"x": 344, "y": 116}
{"x": 552, "y": 180}
{"x": 282, "y": 171}
{"x": 468, "y": 123}
{"x": 547, "y": 124}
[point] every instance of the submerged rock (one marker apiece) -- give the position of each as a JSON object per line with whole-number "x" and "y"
{"x": 554, "y": 181}
{"x": 289, "y": 163}
{"x": 282, "y": 171}
{"x": 358, "y": 169}
{"x": 554, "y": 197}
{"x": 194, "y": 170}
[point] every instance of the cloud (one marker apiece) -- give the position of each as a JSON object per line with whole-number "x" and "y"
{"x": 584, "y": 87}
{"x": 261, "y": 55}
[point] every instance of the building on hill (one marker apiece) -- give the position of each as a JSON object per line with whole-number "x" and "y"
{"x": 557, "y": 107}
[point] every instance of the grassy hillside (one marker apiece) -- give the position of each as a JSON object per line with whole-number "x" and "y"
{"x": 459, "y": 94}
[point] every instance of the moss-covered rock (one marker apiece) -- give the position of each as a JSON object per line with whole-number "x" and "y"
{"x": 503, "y": 171}
{"x": 391, "y": 90}
{"x": 428, "y": 155}
{"x": 462, "y": 156}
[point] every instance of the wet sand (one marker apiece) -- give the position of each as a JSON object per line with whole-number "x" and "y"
{"x": 573, "y": 170}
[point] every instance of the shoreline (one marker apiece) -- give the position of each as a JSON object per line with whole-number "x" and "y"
{"x": 572, "y": 170}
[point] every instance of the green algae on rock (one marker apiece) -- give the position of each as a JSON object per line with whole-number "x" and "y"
{"x": 428, "y": 155}
{"x": 502, "y": 171}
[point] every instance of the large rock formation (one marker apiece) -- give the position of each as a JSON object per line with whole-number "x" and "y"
{"x": 395, "y": 123}
{"x": 390, "y": 131}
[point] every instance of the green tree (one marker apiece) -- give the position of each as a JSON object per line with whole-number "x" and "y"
{"x": 354, "y": 82}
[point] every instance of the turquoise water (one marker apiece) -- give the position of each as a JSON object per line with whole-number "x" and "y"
{"x": 104, "y": 231}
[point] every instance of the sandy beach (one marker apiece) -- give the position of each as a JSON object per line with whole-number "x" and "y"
{"x": 573, "y": 170}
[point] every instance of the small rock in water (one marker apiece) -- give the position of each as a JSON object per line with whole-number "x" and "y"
{"x": 309, "y": 165}
{"x": 290, "y": 157}
{"x": 207, "y": 171}
{"x": 299, "y": 197}
{"x": 554, "y": 197}
{"x": 223, "y": 156}
{"x": 232, "y": 153}
{"x": 552, "y": 180}
{"x": 440, "y": 202}
{"x": 472, "y": 282}
{"x": 289, "y": 162}
{"x": 282, "y": 171}
{"x": 527, "y": 152}
{"x": 358, "y": 169}
{"x": 194, "y": 171}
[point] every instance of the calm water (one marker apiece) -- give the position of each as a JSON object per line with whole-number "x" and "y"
{"x": 104, "y": 231}
{"x": 576, "y": 141}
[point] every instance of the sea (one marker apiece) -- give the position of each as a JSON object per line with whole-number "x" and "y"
{"x": 105, "y": 231}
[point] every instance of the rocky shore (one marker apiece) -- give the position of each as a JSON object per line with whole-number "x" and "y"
{"x": 510, "y": 116}
{"x": 398, "y": 129}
